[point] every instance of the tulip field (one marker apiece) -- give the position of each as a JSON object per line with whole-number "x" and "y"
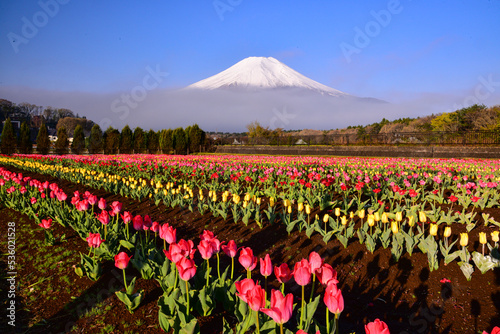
{"x": 252, "y": 244}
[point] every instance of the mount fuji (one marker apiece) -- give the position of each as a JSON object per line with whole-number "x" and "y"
{"x": 263, "y": 73}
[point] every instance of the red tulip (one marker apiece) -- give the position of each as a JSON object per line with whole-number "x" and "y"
{"x": 101, "y": 204}
{"x": 186, "y": 269}
{"x": 94, "y": 240}
{"x": 147, "y": 222}
{"x": 33, "y": 200}
{"x": 266, "y": 267}
{"x": 127, "y": 217}
{"x": 155, "y": 227}
{"x": 116, "y": 207}
{"x": 281, "y": 307}
{"x": 168, "y": 233}
{"x": 206, "y": 250}
{"x": 61, "y": 195}
{"x": 230, "y": 249}
{"x": 283, "y": 273}
{"x": 327, "y": 274}
{"x": 243, "y": 287}
{"x": 333, "y": 299}
{"x": 247, "y": 260}
{"x": 138, "y": 223}
{"x": 302, "y": 272}
{"x": 92, "y": 199}
{"x": 315, "y": 262}
{"x": 207, "y": 235}
{"x": 179, "y": 250}
{"x": 82, "y": 205}
{"x": 46, "y": 223}
{"x": 377, "y": 327}
{"x": 122, "y": 260}
{"x": 103, "y": 217}
{"x": 256, "y": 298}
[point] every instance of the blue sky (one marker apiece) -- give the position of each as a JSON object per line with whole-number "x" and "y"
{"x": 392, "y": 50}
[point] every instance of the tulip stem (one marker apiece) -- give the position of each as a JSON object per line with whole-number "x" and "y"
{"x": 125, "y": 280}
{"x": 164, "y": 244}
{"x": 105, "y": 231}
{"x": 218, "y": 265}
{"x": 187, "y": 297}
{"x": 208, "y": 272}
{"x": 257, "y": 321}
{"x": 232, "y": 268}
{"x": 249, "y": 274}
{"x": 328, "y": 321}
{"x": 337, "y": 323}
{"x": 312, "y": 288}
{"x": 281, "y": 328}
{"x": 302, "y": 309}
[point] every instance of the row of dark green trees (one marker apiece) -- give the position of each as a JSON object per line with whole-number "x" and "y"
{"x": 179, "y": 141}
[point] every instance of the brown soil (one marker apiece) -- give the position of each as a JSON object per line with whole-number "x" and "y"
{"x": 404, "y": 294}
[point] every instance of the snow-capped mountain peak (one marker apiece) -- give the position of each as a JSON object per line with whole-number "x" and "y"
{"x": 256, "y": 73}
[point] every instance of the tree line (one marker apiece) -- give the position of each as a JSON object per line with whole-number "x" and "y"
{"x": 178, "y": 141}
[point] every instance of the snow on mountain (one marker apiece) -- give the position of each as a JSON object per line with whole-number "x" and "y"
{"x": 261, "y": 73}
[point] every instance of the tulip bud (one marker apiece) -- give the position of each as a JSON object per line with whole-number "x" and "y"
{"x": 411, "y": 221}
{"x": 210, "y": 193}
{"x": 433, "y": 229}
{"x": 201, "y": 197}
{"x": 214, "y": 197}
{"x": 337, "y": 212}
{"x": 308, "y": 209}
{"x": 326, "y": 217}
{"x": 300, "y": 207}
{"x": 422, "y": 217}
{"x": 289, "y": 209}
{"x": 394, "y": 227}
{"x": 447, "y": 232}
{"x": 200, "y": 192}
{"x": 245, "y": 203}
{"x": 482, "y": 238}
{"x": 286, "y": 203}
{"x": 271, "y": 202}
{"x": 371, "y": 220}
{"x": 258, "y": 200}
{"x": 494, "y": 236}
{"x": 361, "y": 213}
{"x": 376, "y": 216}
{"x": 316, "y": 217}
{"x": 247, "y": 197}
{"x": 351, "y": 215}
{"x": 343, "y": 220}
{"x": 464, "y": 239}
{"x": 399, "y": 216}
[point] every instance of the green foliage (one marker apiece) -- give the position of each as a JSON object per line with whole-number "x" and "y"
{"x": 96, "y": 142}
{"x": 139, "y": 140}
{"x": 8, "y": 138}
{"x": 152, "y": 141}
{"x": 166, "y": 140}
{"x": 42, "y": 140}
{"x": 126, "y": 140}
{"x": 25, "y": 145}
{"x": 180, "y": 141}
{"x": 62, "y": 141}
{"x": 196, "y": 138}
{"x": 78, "y": 143}
{"x": 111, "y": 140}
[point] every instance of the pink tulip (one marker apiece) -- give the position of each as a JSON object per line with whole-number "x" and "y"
{"x": 207, "y": 235}
{"x": 302, "y": 273}
{"x": 206, "y": 250}
{"x": 281, "y": 307}
{"x": 94, "y": 240}
{"x": 256, "y": 298}
{"x": 168, "y": 233}
{"x": 283, "y": 273}
{"x": 122, "y": 260}
{"x": 326, "y": 274}
{"x": 315, "y": 262}
{"x": 103, "y": 217}
{"x": 127, "y": 217}
{"x": 138, "y": 223}
{"x": 243, "y": 287}
{"x": 266, "y": 267}
{"x": 61, "y": 195}
{"x": 333, "y": 299}
{"x": 82, "y": 205}
{"x": 230, "y": 249}
{"x": 155, "y": 227}
{"x": 186, "y": 268}
{"x": 33, "y": 200}
{"x": 101, "y": 204}
{"x": 46, "y": 223}
{"x": 116, "y": 207}
{"x": 377, "y": 327}
{"x": 247, "y": 260}
{"x": 92, "y": 200}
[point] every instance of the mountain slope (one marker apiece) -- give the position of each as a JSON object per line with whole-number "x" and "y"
{"x": 258, "y": 73}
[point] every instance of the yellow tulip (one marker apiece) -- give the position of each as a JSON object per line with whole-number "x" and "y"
{"x": 399, "y": 216}
{"x": 245, "y": 203}
{"x": 464, "y": 239}
{"x": 370, "y": 220}
{"x": 271, "y": 202}
{"x": 394, "y": 227}
{"x": 343, "y": 220}
{"x": 433, "y": 229}
{"x": 351, "y": 215}
{"x": 289, "y": 209}
{"x": 422, "y": 217}
{"x": 447, "y": 231}
{"x": 376, "y": 216}
{"x": 308, "y": 209}
{"x": 337, "y": 212}
{"x": 411, "y": 221}
{"x": 326, "y": 217}
{"x": 258, "y": 200}
{"x": 361, "y": 213}
{"x": 300, "y": 207}
{"x": 482, "y": 238}
{"x": 494, "y": 236}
